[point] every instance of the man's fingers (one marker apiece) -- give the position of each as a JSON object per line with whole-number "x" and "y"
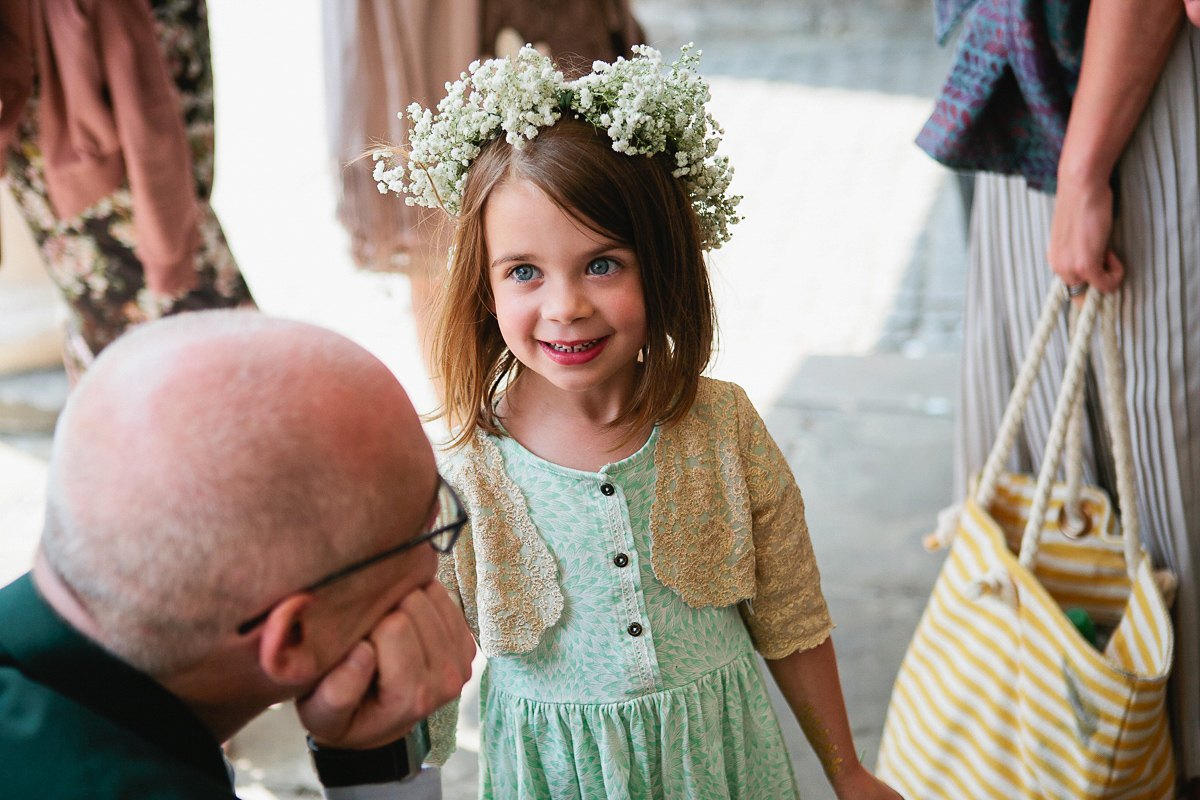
{"x": 409, "y": 672}
{"x": 460, "y": 638}
{"x": 328, "y": 710}
{"x": 434, "y": 634}
{"x": 444, "y": 631}
{"x": 416, "y": 660}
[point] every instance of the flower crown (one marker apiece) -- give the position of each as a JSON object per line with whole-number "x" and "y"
{"x": 643, "y": 109}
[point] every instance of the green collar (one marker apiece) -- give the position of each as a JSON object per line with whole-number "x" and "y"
{"x": 47, "y": 650}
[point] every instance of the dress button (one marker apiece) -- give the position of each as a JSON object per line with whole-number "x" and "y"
{"x": 607, "y": 489}
{"x": 635, "y": 629}
{"x": 621, "y": 560}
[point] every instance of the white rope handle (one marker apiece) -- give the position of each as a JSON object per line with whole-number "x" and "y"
{"x": 1118, "y": 422}
{"x": 1057, "y": 437}
{"x": 1068, "y": 414}
{"x": 1010, "y": 424}
{"x": 1074, "y": 521}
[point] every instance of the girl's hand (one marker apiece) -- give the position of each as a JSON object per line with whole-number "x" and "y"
{"x": 1078, "y": 251}
{"x": 856, "y": 783}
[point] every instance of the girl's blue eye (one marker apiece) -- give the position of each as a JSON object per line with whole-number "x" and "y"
{"x": 602, "y": 266}
{"x": 523, "y": 273}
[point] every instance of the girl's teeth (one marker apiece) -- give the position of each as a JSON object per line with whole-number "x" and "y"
{"x": 572, "y": 348}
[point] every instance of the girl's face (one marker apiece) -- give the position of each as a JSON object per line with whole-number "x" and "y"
{"x": 568, "y": 299}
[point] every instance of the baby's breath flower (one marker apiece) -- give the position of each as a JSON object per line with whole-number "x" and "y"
{"x": 643, "y": 109}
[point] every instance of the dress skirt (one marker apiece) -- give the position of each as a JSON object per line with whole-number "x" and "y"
{"x": 1157, "y": 234}
{"x": 714, "y": 739}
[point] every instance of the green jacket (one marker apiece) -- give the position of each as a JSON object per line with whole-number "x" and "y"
{"x": 76, "y": 722}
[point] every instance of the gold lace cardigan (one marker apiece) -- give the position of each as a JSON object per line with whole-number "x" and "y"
{"x": 727, "y": 526}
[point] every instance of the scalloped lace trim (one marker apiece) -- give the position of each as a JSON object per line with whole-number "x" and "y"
{"x": 515, "y": 591}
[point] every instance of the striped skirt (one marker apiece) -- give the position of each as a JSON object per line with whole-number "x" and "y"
{"x": 1157, "y": 234}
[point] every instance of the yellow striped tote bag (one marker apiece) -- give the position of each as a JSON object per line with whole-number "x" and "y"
{"x": 999, "y": 695}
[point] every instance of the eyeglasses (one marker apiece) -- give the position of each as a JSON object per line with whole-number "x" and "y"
{"x": 442, "y": 534}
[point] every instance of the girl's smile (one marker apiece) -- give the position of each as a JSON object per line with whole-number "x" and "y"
{"x": 574, "y": 352}
{"x": 568, "y": 300}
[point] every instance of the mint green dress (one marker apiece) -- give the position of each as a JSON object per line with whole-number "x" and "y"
{"x": 632, "y": 693}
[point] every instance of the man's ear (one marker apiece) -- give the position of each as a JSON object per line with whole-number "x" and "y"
{"x": 288, "y": 652}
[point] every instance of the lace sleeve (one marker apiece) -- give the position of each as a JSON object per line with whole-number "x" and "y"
{"x": 443, "y": 723}
{"x": 788, "y": 612}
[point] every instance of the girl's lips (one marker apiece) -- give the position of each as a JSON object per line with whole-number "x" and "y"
{"x": 573, "y": 353}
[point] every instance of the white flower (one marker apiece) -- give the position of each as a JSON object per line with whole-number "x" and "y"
{"x": 643, "y": 109}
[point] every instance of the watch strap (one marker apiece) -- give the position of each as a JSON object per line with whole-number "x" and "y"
{"x": 398, "y": 761}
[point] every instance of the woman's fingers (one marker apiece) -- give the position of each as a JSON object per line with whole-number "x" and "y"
{"x": 1106, "y": 276}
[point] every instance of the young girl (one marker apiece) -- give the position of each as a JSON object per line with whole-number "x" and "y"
{"x": 635, "y": 532}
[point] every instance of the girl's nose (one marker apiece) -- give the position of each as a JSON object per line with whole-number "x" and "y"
{"x": 566, "y": 302}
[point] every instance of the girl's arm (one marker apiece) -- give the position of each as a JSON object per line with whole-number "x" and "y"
{"x": 1125, "y": 47}
{"x": 809, "y": 681}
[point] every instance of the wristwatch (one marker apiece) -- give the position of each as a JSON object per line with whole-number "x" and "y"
{"x": 393, "y": 762}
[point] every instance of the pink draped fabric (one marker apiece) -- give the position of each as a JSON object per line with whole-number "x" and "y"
{"x": 108, "y": 113}
{"x": 382, "y": 55}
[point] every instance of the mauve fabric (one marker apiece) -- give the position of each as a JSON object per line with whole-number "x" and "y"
{"x": 16, "y": 69}
{"x": 578, "y": 32}
{"x": 380, "y": 56}
{"x": 108, "y": 113}
{"x": 1005, "y": 103}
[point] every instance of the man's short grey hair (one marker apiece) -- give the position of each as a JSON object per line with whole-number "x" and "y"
{"x": 177, "y": 532}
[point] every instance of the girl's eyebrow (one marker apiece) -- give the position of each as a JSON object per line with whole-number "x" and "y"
{"x": 603, "y": 248}
{"x": 513, "y": 257}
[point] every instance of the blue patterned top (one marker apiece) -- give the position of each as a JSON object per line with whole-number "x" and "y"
{"x": 1005, "y": 103}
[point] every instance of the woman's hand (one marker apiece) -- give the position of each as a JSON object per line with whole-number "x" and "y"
{"x": 856, "y": 783}
{"x": 1079, "y": 235}
{"x": 1124, "y": 51}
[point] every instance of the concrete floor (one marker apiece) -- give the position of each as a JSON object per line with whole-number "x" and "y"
{"x": 840, "y": 298}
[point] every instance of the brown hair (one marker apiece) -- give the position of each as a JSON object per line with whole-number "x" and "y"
{"x": 633, "y": 199}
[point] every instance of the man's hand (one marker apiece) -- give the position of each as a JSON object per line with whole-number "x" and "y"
{"x": 414, "y": 661}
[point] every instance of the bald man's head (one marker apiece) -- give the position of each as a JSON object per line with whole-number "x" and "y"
{"x": 210, "y": 462}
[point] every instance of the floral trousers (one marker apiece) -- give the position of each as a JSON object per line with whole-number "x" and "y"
{"x": 91, "y": 257}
